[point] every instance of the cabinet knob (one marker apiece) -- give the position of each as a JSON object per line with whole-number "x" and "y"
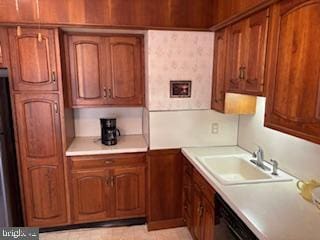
{"x": 108, "y": 162}
{"x": 105, "y": 92}
{"x": 110, "y": 93}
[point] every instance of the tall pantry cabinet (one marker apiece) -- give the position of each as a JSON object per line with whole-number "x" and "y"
{"x": 38, "y": 106}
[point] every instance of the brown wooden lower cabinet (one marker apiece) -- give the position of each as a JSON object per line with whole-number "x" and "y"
{"x": 107, "y": 187}
{"x": 129, "y": 191}
{"x": 91, "y": 195}
{"x": 198, "y": 198}
{"x": 165, "y": 168}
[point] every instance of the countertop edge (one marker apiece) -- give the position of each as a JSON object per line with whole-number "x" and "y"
{"x": 105, "y": 152}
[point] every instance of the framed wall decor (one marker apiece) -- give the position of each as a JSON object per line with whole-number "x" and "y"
{"x": 180, "y": 89}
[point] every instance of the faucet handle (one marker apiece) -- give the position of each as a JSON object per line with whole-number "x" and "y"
{"x": 254, "y": 154}
{"x": 275, "y": 166}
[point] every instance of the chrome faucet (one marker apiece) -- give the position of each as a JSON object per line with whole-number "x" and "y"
{"x": 260, "y": 159}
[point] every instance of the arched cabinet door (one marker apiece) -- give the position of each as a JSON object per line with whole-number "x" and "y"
{"x": 87, "y": 69}
{"x": 236, "y": 50}
{"x": 91, "y": 199}
{"x": 293, "y": 101}
{"x": 129, "y": 187}
{"x": 45, "y": 196}
{"x": 125, "y": 71}
{"x": 34, "y": 62}
{"x": 40, "y": 152}
{"x": 39, "y": 128}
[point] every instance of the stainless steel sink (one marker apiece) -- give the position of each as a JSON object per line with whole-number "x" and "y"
{"x": 237, "y": 169}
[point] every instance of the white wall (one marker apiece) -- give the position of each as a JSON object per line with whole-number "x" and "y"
{"x": 175, "y": 129}
{"x": 178, "y": 55}
{"x": 87, "y": 120}
{"x": 298, "y": 157}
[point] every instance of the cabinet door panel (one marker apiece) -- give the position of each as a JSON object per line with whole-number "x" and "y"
{"x": 90, "y": 196}
{"x": 88, "y": 78}
{"x": 39, "y": 129}
{"x": 293, "y": 104}
{"x": 236, "y": 57}
{"x": 208, "y": 221}
{"x": 219, "y": 69}
{"x": 129, "y": 185}
{"x": 33, "y": 61}
{"x": 197, "y": 213}
{"x": 126, "y": 81}
{"x": 165, "y": 184}
{"x": 257, "y": 30}
{"x": 48, "y": 198}
{"x": 4, "y": 51}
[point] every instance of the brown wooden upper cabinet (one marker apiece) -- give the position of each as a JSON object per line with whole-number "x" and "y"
{"x": 293, "y": 100}
{"x": 87, "y": 70}
{"x": 105, "y": 70}
{"x": 34, "y": 62}
{"x": 125, "y": 82}
{"x": 41, "y": 159}
{"x": 219, "y": 67}
{"x": 225, "y": 10}
{"x": 246, "y": 55}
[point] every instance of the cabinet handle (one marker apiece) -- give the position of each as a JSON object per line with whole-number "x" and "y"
{"x": 112, "y": 181}
{"x": 110, "y": 93}
{"x": 105, "y": 92}
{"x": 242, "y": 73}
{"x": 53, "y": 77}
{"x": 55, "y": 106}
{"x": 108, "y": 162}
{"x": 201, "y": 211}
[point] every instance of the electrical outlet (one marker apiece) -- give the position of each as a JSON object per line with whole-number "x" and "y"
{"x": 215, "y": 128}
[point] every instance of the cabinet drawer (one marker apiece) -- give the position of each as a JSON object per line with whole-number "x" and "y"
{"x": 204, "y": 186}
{"x": 103, "y": 161}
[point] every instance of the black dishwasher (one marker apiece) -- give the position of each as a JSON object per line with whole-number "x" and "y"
{"x": 228, "y": 226}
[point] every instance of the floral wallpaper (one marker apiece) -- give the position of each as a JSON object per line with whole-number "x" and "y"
{"x": 178, "y": 55}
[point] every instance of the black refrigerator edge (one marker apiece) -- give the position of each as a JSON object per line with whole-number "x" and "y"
{"x": 10, "y": 204}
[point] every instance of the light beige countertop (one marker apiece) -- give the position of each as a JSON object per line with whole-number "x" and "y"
{"x": 82, "y": 146}
{"x": 273, "y": 211}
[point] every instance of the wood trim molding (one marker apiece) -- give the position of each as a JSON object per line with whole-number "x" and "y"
{"x": 242, "y": 15}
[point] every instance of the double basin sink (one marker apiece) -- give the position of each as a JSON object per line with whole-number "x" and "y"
{"x": 237, "y": 169}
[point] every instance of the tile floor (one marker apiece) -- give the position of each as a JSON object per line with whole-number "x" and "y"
{"x": 119, "y": 233}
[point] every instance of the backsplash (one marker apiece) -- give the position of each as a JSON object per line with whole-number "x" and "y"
{"x": 87, "y": 120}
{"x": 178, "y": 55}
{"x": 176, "y": 129}
{"x": 296, "y": 156}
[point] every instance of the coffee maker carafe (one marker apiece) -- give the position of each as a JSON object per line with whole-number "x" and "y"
{"x": 109, "y": 131}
